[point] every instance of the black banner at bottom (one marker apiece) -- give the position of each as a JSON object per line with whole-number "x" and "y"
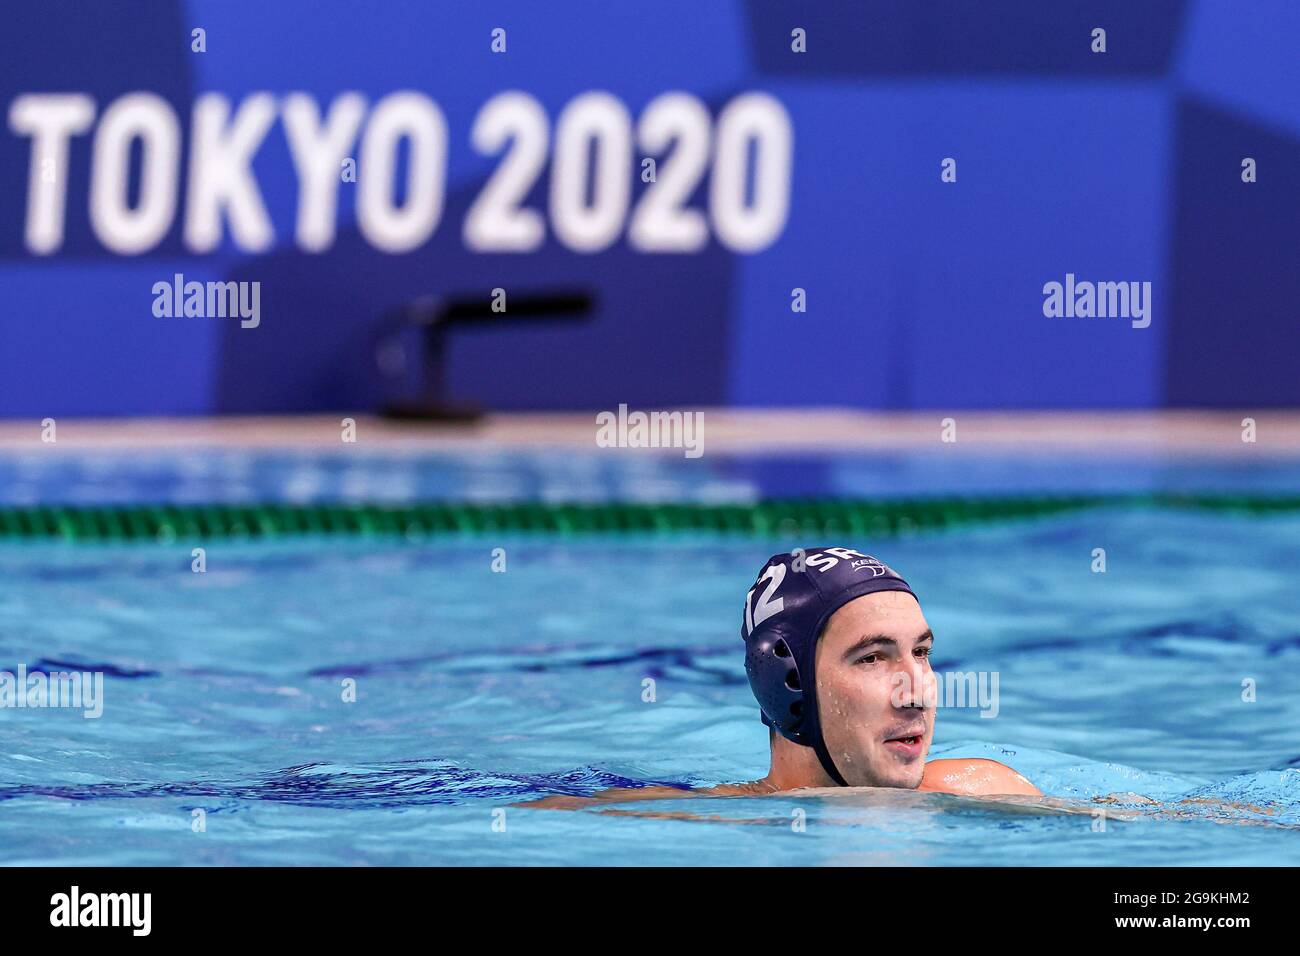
{"x": 333, "y": 906}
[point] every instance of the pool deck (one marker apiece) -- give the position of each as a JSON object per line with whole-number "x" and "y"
{"x": 1215, "y": 433}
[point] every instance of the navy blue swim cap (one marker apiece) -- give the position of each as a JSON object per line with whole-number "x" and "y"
{"x": 785, "y": 611}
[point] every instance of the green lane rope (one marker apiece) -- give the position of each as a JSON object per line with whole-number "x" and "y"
{"x": 449, "y": 519}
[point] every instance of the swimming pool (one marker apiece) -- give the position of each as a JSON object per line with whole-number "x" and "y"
{"x": 475, "y": 689}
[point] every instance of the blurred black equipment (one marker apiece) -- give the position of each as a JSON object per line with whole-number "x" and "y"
{"x": 410, "y": 352}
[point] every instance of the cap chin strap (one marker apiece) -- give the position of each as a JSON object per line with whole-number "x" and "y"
{"x": 814, "y": 732}
{"x": 824, "y": 756}
{"x": 812, "y": 738}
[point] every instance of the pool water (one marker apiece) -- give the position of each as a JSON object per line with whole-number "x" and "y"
{"x": 53, "y": 476}
{"x": 477, "y": 688}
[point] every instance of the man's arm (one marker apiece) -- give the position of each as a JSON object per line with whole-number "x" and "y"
{"x": 629, "y": 794}
{"x": 614, "y": 795}
{"x": 975, "y": 777}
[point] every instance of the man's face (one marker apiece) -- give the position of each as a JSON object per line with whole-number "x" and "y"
{"x": 875, "y": 690}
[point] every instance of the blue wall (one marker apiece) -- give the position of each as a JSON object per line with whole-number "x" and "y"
{"x": 921, "y": 294}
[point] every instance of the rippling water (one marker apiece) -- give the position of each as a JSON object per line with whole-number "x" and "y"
{"x": 224, "y": 692}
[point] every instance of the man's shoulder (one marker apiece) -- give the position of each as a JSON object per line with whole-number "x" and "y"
{"x": 975, "y": 776}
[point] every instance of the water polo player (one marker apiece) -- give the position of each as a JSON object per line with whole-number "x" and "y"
{"x": 838, "y": 655}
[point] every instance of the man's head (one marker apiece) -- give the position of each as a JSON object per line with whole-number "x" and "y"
{"x": 837, "y": 653}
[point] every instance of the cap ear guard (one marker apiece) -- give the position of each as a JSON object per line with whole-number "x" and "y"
{"x": 774, "y": 676}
